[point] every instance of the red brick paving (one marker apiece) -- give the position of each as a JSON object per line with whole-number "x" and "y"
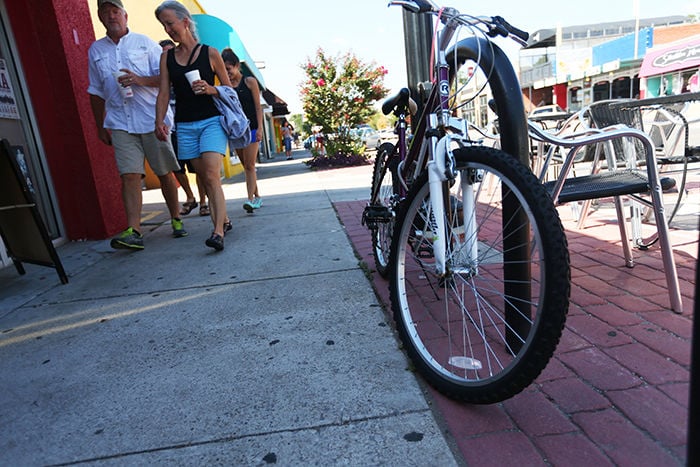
{"x": 616, "y": 390}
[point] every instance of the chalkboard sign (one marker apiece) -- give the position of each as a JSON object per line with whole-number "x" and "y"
{"x": 21, "y": 227}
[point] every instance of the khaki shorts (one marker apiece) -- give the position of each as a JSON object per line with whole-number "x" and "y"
{"x": 129, "y": 151}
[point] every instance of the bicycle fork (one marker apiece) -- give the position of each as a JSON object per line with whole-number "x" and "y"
{"x": 462, "y": 237}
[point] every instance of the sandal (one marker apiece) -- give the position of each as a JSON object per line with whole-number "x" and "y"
{"x": 204, "y": 210}
{"x": 227, "y": 226}
{"x": 187, "y": 207}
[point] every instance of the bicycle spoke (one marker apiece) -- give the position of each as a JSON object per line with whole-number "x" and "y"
{"x": 481, "y": 332}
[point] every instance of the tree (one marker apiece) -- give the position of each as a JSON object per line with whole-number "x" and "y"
{"x": 338, "y": 93}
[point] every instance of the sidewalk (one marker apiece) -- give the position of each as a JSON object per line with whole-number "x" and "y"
{"x": 274, "y": 350}
{"x": 279, "y": 350}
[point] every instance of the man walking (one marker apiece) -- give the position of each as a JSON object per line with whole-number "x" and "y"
{"x": 124, "y": 70}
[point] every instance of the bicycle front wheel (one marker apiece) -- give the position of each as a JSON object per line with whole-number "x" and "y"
{"x": 484, "y": 330}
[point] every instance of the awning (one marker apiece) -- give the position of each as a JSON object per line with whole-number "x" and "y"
{"x": 279, "y": 107}
{"x": 678, "y": 56}
{"x": 217, "y": 33}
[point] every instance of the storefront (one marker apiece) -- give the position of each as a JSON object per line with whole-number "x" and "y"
{"x": 671, "y": 69}
{"x": 46, "y": 115}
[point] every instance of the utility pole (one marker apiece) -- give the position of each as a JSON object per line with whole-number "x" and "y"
{"x": 418, "y": 33}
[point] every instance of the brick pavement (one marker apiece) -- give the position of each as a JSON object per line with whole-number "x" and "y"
{"x": 616, "y": 390}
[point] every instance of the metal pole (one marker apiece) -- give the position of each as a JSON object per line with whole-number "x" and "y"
{"x": 693, "y": 450}
{"x": 417, "y": 32}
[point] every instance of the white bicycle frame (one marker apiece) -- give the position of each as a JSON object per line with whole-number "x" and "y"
{"x": 441, "y": 161}
{"x": 441, "y": 169}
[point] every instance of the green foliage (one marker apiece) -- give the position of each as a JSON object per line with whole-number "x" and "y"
{"x": 296, "y": 120}
{"x": 379, "y": 121}
{"x": 339, "y": 91}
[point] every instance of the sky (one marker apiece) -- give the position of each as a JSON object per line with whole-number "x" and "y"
{"x": 285, "y": 35}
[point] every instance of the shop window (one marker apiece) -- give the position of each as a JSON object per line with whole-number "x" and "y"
{"x": 17, "y": 125}
{"x": 686, "y": 77}
{"x": 653, "y": 86}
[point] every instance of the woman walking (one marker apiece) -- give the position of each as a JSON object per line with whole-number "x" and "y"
{"x": 249, "y": 96}
{"x": 287, "y": 137}
{"x": 201, "y": 138}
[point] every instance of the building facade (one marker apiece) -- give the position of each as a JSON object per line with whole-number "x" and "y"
{"x": 578, "y": 65}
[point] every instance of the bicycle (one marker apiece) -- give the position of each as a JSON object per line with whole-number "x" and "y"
{"x": 478, "y": 260}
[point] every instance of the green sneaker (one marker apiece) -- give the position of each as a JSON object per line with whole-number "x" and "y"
{"x": 128, "y": 240}
{"x": 250, "y": 206}
{"x": 178, "y": 229}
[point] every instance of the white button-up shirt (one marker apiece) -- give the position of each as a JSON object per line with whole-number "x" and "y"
{"x": 140, "y": 54}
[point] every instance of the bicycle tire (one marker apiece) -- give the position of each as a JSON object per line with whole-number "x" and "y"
{"x": 457, "y": 329}
{"x": 384, "y": 197}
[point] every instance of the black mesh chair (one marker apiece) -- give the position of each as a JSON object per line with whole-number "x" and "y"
{"x": 618, "y": 175}
{"x": 669, "y": 128}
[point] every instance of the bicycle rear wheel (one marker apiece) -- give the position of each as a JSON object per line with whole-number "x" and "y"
{"x": 485, "y": 330}
{"x": 381, "y": 210}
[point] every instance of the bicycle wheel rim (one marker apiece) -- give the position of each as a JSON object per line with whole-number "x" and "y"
{"x": 461, "y": 330}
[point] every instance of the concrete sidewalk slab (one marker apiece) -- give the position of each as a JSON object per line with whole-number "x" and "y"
{"x": 274, "y": 350}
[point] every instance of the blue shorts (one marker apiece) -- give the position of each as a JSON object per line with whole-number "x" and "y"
{"x": 288, "y": 144}
{"x": 195, "y": 138}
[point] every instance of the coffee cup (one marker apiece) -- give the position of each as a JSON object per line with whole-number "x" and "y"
{"x": 192, "y": 76}
{"x": 125, "y": 90}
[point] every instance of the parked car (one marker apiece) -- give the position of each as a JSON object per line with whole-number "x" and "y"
{"x": 545, "y": 110}
{"x": 387, "y": 136}
{"x": 368, "y": 135}
{"x": 549, "y": 116}
{"x": 309, "y": 142}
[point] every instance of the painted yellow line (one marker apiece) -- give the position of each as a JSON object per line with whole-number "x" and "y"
{"x": 151, "y": 215}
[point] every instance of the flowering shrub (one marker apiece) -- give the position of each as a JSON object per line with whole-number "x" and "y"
{"x": 338, "y": 93}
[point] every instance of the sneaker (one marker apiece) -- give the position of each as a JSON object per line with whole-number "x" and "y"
{"x": 227, "y": 226}
{"x": 215, "y": 241}
{"x": 128, "y": 240}
{"x": 250, "y": 206}
{"x": 178, "y": 229}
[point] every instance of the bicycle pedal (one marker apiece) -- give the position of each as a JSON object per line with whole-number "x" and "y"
{"x": 374, "y": 215}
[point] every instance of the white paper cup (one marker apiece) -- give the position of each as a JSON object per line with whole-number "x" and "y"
{"x": 192, "y": 75}
{"x": 126, "y": 91}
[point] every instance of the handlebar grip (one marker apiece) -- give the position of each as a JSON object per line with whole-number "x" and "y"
{"x": 423, "y": 6}
{"x": 414, "y": 6}
{"x": 519, "y": 33}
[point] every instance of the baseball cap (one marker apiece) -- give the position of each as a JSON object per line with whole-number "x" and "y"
{"x": 117, "y": 3}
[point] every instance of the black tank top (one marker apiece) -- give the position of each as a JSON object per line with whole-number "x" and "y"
{"x": 248, "y": 104}
{"x": 190, "y": 107}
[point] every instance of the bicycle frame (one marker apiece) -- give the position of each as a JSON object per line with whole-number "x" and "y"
{"x": 437, "y": 128}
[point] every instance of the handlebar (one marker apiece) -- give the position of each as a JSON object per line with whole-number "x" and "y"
{"x": 508, "y": 29}
{"x": 496, "y": 25}
{"x": 415, "y": 6}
